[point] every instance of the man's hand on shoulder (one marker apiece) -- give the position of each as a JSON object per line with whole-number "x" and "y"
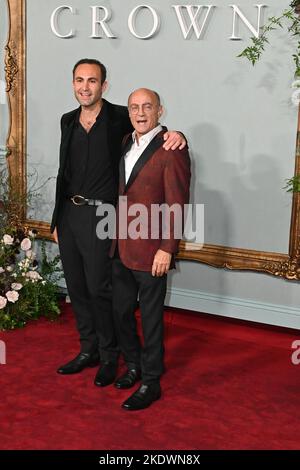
{"x": 174, "y": 140}
{"x": 161, "y": 263}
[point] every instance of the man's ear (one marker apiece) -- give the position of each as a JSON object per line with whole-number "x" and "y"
{"x": 160, "y": 111}
{"x": 104, "y": 86}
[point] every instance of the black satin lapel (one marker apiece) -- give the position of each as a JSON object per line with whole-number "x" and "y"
{"x": 154, "y": 145}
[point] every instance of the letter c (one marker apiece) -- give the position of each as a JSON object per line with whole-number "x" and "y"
{"x": 54, "y": 21}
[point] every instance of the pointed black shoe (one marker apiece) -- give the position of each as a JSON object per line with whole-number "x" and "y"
{"x": 143, "y": 397}
{"x": 128, "y": 379}
{"x": 79, "y": 363}
{"x": 106, "y": 374}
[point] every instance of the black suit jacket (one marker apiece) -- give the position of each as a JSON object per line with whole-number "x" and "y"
{"x": 118, "y": 126}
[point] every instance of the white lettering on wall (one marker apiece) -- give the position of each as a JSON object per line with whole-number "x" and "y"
{"x": 237, "y": 12}
{"x": 193, "y": 12}
{"x": 54, "y": 21}
{"x": 192, "y": 19}
{"x": 99, "y": 24}
{"x": 132, "y": 19}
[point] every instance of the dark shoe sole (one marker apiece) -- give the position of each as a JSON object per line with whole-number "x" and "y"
{"x": 70, "y": 372}
{"x": 141, "y": 408}
{"x": 125, "y": 384}
{"x": 125, "y": 387}
{"x": 105, "y": 384}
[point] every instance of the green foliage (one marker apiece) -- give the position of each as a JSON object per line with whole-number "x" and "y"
{"x": 254, "y": 52}
{"x": 293, "y": 184}
{"x": 28, "y": 286}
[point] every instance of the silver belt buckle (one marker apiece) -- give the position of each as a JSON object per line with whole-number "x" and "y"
{"x": 78, "y": 200}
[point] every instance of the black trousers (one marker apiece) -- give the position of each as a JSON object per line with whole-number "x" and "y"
{"x": 87, "y": 269}
{"x": 127, "y": 286}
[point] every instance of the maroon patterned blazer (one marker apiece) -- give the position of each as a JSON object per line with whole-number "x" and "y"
{"x": 158, "y": 177}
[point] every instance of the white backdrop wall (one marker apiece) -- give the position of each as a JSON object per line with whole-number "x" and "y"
{"x": 239, "y": 120}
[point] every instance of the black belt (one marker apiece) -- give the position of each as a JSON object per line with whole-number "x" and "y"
{"x": 83, "y": 201}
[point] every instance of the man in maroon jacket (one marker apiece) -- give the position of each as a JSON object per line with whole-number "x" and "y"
{"x": 149, "y": 178}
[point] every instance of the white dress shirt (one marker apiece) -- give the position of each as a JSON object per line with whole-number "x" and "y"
{"x": 137, "y": 149}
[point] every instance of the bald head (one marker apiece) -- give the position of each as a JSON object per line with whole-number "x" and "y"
{"x": 154, "y": 94}
{"x": 144, "y": 110}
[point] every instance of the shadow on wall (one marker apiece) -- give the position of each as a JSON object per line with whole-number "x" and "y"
{"x": 260, "y": 190}
{"x": 206, "y": 147}
{"x": 209, "y": 175}
{"x": 239, "y": 198}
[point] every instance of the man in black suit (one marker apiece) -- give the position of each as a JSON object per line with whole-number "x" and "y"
{"x": 88, "y": 176}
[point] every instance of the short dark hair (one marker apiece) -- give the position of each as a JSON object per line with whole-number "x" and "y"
{"x": 92, "y": 62}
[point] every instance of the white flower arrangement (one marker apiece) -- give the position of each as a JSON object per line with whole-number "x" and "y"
{"x": 24, "y": 291}
{"x": 7, "y": 240}
{"x": 25, "y": 244}
{"x": 28, "y": 283}
{"x": 24, "y": 268}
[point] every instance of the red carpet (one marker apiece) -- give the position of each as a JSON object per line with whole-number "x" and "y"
{"x": 228, "y": 385}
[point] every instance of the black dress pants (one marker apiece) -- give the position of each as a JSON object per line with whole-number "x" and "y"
{"x": 87, "y": 269}
{"x": 128, "y": 284}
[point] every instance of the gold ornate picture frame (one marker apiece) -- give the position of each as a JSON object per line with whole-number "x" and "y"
{"x": 285, "y": 265}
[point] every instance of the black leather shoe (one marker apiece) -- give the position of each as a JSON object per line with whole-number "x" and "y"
{"x": 128, "y": 379}
{"x": 106, "y": 374}
{"x": 143, "y": 397}
{"x": 79, "y": 363}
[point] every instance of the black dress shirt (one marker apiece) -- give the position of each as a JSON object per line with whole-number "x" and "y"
{"x": 89, "y": 171}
